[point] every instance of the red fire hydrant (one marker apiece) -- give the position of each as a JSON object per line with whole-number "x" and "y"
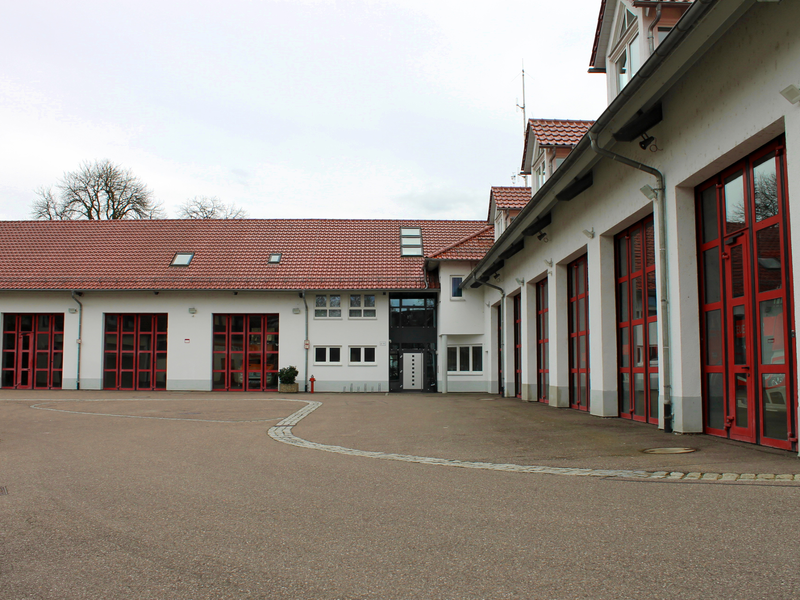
{"x": 312, "y": 380}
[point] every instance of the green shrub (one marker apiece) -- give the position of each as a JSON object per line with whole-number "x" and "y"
{"x": 288, "y": 374}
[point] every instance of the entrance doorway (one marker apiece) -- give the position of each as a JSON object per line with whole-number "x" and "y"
{"x": 518, "y": 345}
{"x": 135, "y": 352}
{"x": 245, "y": 353}
{"x": 746, "y": 304}
{"x": 578, "y": 300}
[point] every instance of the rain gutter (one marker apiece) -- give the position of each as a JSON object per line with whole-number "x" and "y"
{"x": 80, "y": 336}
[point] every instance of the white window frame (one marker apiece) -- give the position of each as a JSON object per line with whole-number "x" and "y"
{"x": 410, "y": 241}
{"x": 362, "y": 307}
{"x": 362, "y": 354}
{"x": 457, "y": 348}
{"x": 326, "y": 306}
{"x": 327, "y": 362}
{"x": 622, "y": 48}
{"x": 460, "y": 297}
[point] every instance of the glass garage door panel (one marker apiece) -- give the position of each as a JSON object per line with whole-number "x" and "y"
{"x": 135, "y": 352}
{"x": 33, "y": 351}
{"x": 245, "y": 353}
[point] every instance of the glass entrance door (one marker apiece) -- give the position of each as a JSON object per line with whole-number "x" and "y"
{"x": 746, "y": 304}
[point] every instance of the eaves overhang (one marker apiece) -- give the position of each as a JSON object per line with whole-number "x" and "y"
{"x": 700, "y": 27}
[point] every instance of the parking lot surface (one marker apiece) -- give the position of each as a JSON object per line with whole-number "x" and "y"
{"x": 186, "y": 495}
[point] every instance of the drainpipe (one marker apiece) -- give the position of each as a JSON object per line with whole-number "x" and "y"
{"x": 650, "y": 37}
{"x": 80, "y": 336}
{"x": 503, "y": 337}
{"x": 305, "y": 345}
{"x": 663, "y": 317}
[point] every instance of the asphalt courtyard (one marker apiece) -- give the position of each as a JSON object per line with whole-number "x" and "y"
{"x": 195, "y": 496}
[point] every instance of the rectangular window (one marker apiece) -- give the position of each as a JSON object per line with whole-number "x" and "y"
{"x": 455, "y": 291}
{"x": 465, "y": 359}
{"x": 362, "y": 306}
{"x": 410, "y": 241}
{"x": 362, "y": 355}
{"x": 328, "y": 306}
{"x": 327, "y": 355}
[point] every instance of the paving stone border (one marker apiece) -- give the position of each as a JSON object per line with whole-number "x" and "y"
{"x": 282, "y": 432}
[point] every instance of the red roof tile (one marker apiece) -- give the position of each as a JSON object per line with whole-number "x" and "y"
{"x": 511, "y": 197}
{"x": 473, "y": 247}
{"x": 229, "y": 254}
{"x": 559, "y": 132}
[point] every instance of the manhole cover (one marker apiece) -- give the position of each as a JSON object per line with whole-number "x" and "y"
{"x": 669, "y": 450}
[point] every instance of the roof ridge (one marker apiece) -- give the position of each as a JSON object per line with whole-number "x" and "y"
{"x": 462, "y": 241}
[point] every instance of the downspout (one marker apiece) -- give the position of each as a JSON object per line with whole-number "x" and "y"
{"x": 663, "y": 318}
{"x": 80, "y": 340}
{"x": 306, "y": 344}
{"x": 502, "y": 337}
{"x": 650, "y": 37}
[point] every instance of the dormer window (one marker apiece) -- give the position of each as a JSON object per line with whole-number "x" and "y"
{"x": 410, "y": 241}
{"x": 182, "y": 259}
{"x": 625, "y": 55}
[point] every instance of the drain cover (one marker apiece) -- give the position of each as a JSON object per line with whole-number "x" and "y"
{"x": 669, "y": 450}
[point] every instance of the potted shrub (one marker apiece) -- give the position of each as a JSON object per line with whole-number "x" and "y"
{"x": 287, "y": 376}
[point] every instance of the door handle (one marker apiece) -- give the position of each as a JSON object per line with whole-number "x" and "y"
{"x": 744, "y": 368}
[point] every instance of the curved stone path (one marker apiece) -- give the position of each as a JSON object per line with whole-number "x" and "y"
{"x": 282, "y": 432}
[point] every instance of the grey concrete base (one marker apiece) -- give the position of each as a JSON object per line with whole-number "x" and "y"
{"x": 350, "y": 386}
{"x": 559, "y": 396}
{"x": 86, "y": 384}
{"x": 189, "y": 385}
{"x": 687, "y": 413}
{"x": 465, "y": 386}
{"x": 529, "y": 392}
{"x": 604, "y": 403}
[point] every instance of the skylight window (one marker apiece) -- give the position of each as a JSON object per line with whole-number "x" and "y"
{"x": 275, "y": 258}
{"x": 410, "y": 241}
{"x": 182, "y": 259}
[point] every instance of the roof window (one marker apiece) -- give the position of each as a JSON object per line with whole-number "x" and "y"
{"x": 182, "y": 259}
{"x": 275, "y": 257}
{"x": 410, "y": 241}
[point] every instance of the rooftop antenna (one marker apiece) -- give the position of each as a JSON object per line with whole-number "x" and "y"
{"x": 524, "y": 115}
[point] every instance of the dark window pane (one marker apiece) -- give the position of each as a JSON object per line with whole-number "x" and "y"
{"x": 737, "y": 272}
{"x": 774, "y": 406}
{"x": 769, "y": 258}
{"x": 272, "y": 323}
{"x": 254, "y": 324}
{"x": 111, "y": 322}
{"x": 369, "y": 355}
{"x": 638, "y": 394}
{"x": 714, "y": 338}
{"x": 111, "y": 342}
{"x": 622, "y": 299}
{"x": 638, "y": 300}
{"x": 622, "y": 257}
{"x": 42, "y": 360}
{"x": 58, "y": 341}
{"x": 463, "y": 358}
{"x": 355, "y": 354}
{"x": 456, "y": 291}
{"x": 220, "y": 323}
{"x": 237, "y": 323}
{"x": 335, "y": 355}
{"x": 735, "y": 216}
{"x": 652, "y": 342}
{"x": 708, "y": 207}
{"x": 126, "y": 360}
{"x": 638, "y": 346}
{"x": 219, "y": 381}
{"x": 624, "y": 348}
{"x": 110, "y": 380}
{"x": 711, "y": 280}
{"x": 42, "y": 341}
{"x": 58, "y": 360}
{"x": 765, "y": 183}
{"x": 110, "y": 360}
{"x": 126, "y": 380}
{"x": 145, "y": 322}
{"x": 58, "y": 323}
{"x": 654, "y": 395}
{"x": 9, "y": 323}
{"x": 652, "y": 300}
{"x": 128, "y": 322}
{"x": 477, "y": 358}
{"x": 145, "y": 341}
{"x": 773, "y": 346}
{"x": 742, "y": 400}
{"x": 161, "y": 323}
{"x": 625, "y": 393}
{"x": 636, "y": 250}
{"x": 43, "y": 323}
{"x": 57, "y": 379}
{"x": 128, "y": 341}
{"x": 237, "y": 361}
{"x": 237, "y": 342}
{"x": 649, "y": 246}
{"x": 9, "y": 341}
{"x": 452, "y": 359}
{"x": 739, "y": 336}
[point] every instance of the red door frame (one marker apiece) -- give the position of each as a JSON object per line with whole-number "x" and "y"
{"x": 135, "y": 351}
{"x": 542, "y": 342}
{"x": 33, "y": 351}
{"x": 637, "y": 322}
{"x": 578, "y": 305}
{"x": 245, "y": 352}
{"x": 500, "y": 386}
{"x": 745, "y": 273}
{"x": 517, "y": 301}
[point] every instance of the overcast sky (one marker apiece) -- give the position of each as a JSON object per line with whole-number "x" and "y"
{"x": 309, "y": 109}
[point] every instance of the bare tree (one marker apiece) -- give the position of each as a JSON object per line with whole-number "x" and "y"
{"x": 97, "y": 191}
{"x": 209, "y": 207}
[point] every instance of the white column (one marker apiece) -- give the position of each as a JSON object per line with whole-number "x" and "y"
{"x": 602, "y": 327}
{"x": 559, "y": 336}
{"x": 443, "y": 362}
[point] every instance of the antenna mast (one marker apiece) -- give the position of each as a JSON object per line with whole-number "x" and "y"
{"x": 524, "y": 115}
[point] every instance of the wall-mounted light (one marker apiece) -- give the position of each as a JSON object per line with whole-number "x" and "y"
{"x": 589, "y": 233}
{"x": 519, "y": 281}
{"x": 792, "y": 94}
{"x": 295, "y": 311}
{"x": 542, "y": 237}
{"x": 649, "y": 192}
{"x": 72, "y": 311}
{"x": 192, "y": 311}
{"x": 548, "y": 262}
{"x": 646, "y": 142}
